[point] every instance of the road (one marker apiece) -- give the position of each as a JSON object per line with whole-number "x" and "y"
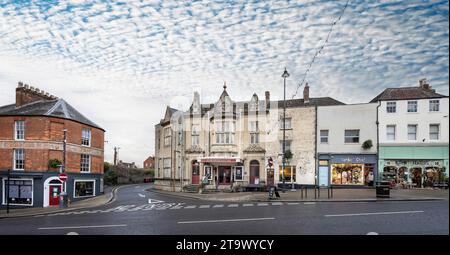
{"x": 137, "y": 211}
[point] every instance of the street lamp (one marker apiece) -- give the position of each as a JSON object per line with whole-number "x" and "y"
{"x": 63, "y": 193}
{"x": 284, "y": 75}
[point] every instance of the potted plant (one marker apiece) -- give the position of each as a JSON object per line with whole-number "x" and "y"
{"x": 54, "y": 163}
{"x": 288, "y": 155}
{"x": 367, "y": 144}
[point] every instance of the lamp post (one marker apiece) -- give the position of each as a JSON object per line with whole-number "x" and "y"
{"x": 7, "y": 192}
{"x": 284, "y": 75}
{"x": 63, "y": 194}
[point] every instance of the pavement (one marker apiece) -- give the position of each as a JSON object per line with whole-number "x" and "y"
{"x": 339, "y": 195}
{"x": 137, "y": 211}
{"x": 107, "y": 197}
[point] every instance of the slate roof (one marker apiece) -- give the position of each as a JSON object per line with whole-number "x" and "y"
{"x": 52, "y": 108}
{"x": 318, "y": 101}
{"x": 406, "y": 93}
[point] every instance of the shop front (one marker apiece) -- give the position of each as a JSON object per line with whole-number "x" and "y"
{"x": 221, "y": 172}
{"x": 418, "y": 167}
{"x": 347, "y": 169}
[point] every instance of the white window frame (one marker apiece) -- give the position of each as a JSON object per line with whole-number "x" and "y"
{"x": 89, "y": 162}
{"x": 254, "y": 132}
{"x": 438, "y": 131}
{"x": 345, "y": 136}
{"x": 14, "y": 159}
{"x": 234, "y": 173}
{"x": 225, "y": 133}
{"x": 167, "y": 132}
{"x": 414, "y": 104}
{"x": 391, "y": 105}
{"x": 83, "y": 138}
{"x": 409, "y": 133}
{"x": 16, "y": 130}
{"x": 327, "y": 136}
{"x": 387, "y": 132}
{"x": 83, "y": 180}
{"x": 210, "y": 170}
{"x": 195, "y": 135}
{"x": 17, "y": 179}
{"x": 436, "y": 105}
{"x": 286, "y": 123}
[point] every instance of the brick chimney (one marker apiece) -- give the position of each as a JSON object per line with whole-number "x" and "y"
{"x": 424, "y": 84}
{"x": 267, "y": 100}
{"x": 306, "y": 94}
{"x": 27, "y": 94}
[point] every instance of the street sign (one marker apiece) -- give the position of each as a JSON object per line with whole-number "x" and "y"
{"x": 63, "y": 177}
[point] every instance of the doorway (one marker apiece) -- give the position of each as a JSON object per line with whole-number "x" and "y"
{"x": 254, "y": 172}
{"x": 195, "y": 172}
{"x": 224, "y": 175}
{"x": 54, "y": 191}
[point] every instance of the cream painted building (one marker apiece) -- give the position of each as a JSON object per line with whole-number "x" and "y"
{"x": 228, "y": 145}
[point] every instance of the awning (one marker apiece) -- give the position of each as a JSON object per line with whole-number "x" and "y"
{"x": 227, "y": 160}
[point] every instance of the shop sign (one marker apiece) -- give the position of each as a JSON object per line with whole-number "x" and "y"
{"x": 412, "y": 163}
{"x": 361, "y": 159}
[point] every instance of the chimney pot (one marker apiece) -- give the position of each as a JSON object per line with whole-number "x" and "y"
{"x": 306, "y": 94}
{"x": 20, "y": 84}
{"x": 26, "y": 86}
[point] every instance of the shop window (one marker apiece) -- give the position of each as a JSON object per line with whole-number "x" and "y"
{"x": 347, "y": 174}
{"x": 323, "y": 136}
{"x": 390, "y": 132}
{"x": 20, "y": 130}
{"x": 238, "y": 173}
{"x": 434, "y": 131}
{"x": 412, "y": 132}
{"x": 323, "y": 162}
{"x": 368, "y": 174}
{"x": 289, "y": 174}
{"x": 84, "y": 189}
{"x": 352, "y": 136}
{"x": 208, "y": 172}
{"x": 412, "y": 106}
{"x": 391, "y": 107}
{"x": 434, "y": 105}
{"x": 20, "y": 191}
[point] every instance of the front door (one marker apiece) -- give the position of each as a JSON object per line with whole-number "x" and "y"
{"x": 195, "y": 173}
{"x": 323, "y": 176}
{"x": 224, "y": 175}
{"x": 254, "y": 173}
{"x": 54, "y": 194}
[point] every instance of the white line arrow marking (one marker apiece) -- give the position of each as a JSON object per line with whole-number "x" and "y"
{"x": 154, "y": 201}
{"x": 141, "y": 195}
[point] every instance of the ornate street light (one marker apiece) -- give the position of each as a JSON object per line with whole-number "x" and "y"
{"x": 284, "y": 75}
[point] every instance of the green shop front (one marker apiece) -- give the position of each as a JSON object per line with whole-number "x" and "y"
{"x": 414, "y": 166}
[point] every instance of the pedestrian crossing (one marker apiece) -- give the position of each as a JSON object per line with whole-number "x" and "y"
{"x": 174, "y": 206}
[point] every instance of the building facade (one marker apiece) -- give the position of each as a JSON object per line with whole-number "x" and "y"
{"x": 413, "y": 135}
{"x": 228, "y": 144}
{"x": 149, "y": 163}
{"x": 347, "y": 145}
{"x": 31, "y": 151}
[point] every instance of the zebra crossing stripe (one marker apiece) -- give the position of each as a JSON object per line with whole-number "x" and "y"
{"x": 204, "y": 206}
{"x": 293, "y": 203}
{"x": 277, "y": 203}
{"x": 190, "y": 207}
{"x": 218, "y": 206}
{"x": 233, "y": 205}
{"x": 137, "y": 208}
{"x": 247, "y": 205}
{"x": 263, "y": 204}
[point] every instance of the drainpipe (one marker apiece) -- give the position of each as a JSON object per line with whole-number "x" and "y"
{"x": 378, "y": 143}
{"x": 315, "y": 149}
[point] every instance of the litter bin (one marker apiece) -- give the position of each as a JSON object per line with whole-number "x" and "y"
{"x": 63, "y": 200}
{"x": 383, "y": 189}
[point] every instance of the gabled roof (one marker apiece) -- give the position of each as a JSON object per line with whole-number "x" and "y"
{"x": 318, "y": 101}
{"x": 169, "y": 112}
{"x": 52, "y": 108}
{"x": 406, "y": 93}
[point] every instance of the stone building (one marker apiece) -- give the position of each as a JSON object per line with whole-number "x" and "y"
{"x": 31, "y": 150}
{"x": 228, "y": 144}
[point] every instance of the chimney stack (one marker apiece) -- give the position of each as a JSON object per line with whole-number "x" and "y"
{"x": 306, "y": 94}
{"x": 26, "y": 94}
{"x": 424, "y": 84}
{"x": 267, "y": 100}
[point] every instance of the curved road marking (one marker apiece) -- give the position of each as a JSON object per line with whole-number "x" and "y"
{"x": 141, "y": 195}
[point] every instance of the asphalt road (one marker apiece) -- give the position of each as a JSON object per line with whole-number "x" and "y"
{"x": 132, "y": 213}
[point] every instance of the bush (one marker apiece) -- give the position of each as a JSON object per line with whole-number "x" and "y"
{"x": 54, "y": 163}
{"x": 367, "y": 144}
{"x": 110, "y": 177}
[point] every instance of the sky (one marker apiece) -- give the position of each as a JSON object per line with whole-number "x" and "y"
{"x": 120, "y": 63}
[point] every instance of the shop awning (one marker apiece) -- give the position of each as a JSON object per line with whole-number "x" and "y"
{"x": 229, "y": 160}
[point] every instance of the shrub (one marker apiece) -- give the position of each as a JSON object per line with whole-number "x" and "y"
{"x": 54, "y": 163}
{"x": 110, "y": 177}
{"x": 367, "y": 144}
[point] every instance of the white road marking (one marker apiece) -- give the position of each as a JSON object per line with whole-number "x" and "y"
{"x": 376, "y": 213}
{"x": 293, "y": 203}
{"x": 233, "y": 205}
{"x": 263, "y": 204}
{"x": 137, "y": 187}
{"x": 277, "y": 203}
{"x": 75, "y": 227}
{"x": 372, "y": 234}
{"x": 204, "y": 206}
{"x": 246, "y": 205}
{"x": 217, "y": 206}
{"x": 137, "y": 208}
{"x": 72, "y": 234}
{"x": 218, "y": 221}
{"x": 190, "y": 207}
{"x": 141, "y": 195}
{"x": 154, "y": 201}
{"x": 309, "y": 203}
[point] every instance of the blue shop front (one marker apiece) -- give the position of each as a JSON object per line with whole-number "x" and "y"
{"x": 351, "y": 170}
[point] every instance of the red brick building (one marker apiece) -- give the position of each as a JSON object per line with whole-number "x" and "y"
{"x": 149, "y": 163}
{"x": 31, "y": 150}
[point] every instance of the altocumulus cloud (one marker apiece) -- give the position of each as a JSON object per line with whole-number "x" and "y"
{"x": 120, "y": 63}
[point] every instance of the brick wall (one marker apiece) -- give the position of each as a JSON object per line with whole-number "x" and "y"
{"x": 47, "y": 132}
